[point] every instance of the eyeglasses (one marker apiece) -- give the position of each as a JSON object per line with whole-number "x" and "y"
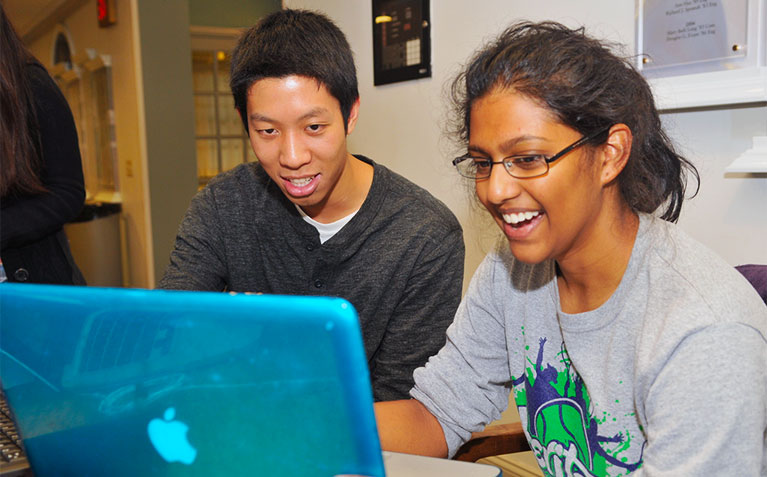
{"x": 521, "y": 167}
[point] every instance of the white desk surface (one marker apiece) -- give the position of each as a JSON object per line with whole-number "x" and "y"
{"x": 407, "y": 465}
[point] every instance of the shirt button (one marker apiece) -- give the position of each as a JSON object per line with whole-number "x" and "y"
{"x": 21, "y": 275}
{"x": 310, "y": 247}
{"x": 318, "y": 283}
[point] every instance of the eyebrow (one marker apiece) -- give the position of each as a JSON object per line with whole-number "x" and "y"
{"x": 508, "y": 144}
{"x": 314, "y": 112}
{"x": 259, "y": 117}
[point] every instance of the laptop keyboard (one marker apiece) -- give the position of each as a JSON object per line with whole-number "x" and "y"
{"x": 13, "y": 461}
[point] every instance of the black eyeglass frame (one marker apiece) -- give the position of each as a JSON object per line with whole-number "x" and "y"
{"x": 509, "y": 165}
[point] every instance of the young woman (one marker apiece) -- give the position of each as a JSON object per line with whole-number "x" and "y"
{"x": 41, "y": 177}
{"x": 628, "y": 346}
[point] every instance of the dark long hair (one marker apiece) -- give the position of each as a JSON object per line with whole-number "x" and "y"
{"x": 295, "y": 42}
{"x": 19, "y": 138}
{"x": 588, "y": 88}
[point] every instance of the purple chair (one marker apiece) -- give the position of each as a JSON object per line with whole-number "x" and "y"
{"x": 757, "y": 275}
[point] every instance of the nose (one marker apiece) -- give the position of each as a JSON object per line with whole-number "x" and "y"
{"x": 501, "y": 186}
{"x": 294, "y": 153}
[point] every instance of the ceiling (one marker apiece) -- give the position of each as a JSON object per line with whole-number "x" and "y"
{"x": 31, "y": 17}
{"x": 24, "y": 13}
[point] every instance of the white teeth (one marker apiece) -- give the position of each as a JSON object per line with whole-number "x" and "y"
{"x": 301, "y": 182}
{"x": 514, "y": 219}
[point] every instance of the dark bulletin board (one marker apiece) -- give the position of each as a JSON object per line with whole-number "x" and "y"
{"x": 401, "y": 40}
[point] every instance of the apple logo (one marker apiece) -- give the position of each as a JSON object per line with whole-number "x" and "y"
{"x": 168, "y": 437}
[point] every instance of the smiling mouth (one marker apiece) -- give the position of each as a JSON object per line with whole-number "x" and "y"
{"x": 301, "y": 182}
{"x": 520, "y": 218}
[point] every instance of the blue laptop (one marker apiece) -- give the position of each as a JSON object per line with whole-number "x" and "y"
{"x": 133, "y": 382}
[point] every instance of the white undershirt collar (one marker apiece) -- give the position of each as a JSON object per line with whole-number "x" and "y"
{"x": 326, "y": 230}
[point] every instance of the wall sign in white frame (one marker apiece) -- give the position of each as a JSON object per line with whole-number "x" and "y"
{"x": 699, "y": 53}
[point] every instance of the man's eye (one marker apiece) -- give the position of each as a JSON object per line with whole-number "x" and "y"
{"x": 267, "y": 131}
{"x": 315, "y": 127}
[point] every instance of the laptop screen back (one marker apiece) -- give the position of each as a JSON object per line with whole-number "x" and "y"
{"x": 149, "y": 382}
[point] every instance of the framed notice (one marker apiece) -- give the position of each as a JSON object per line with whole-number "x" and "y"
{"x": 703, "y": 52}
{"x": 686, "y": 36}
{"x": 401, "y": 40}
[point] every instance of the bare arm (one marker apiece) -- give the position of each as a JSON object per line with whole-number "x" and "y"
{"x": 407, "y": 426}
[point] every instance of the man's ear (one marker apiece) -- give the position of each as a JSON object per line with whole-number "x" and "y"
{"x": 353, "y": 115}
{"x": 615, "y": 152}
{"x": 244, "y": 123}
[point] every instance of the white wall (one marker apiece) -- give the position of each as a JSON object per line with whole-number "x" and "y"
{"x": 401, "y": 124}
{"x": 164, "y": 47}
{"x": 730, "y": 213}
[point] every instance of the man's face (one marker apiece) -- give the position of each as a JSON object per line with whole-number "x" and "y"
{"x": 297, "y": 132}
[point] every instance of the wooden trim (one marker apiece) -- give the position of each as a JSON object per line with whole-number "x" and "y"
{"x": 494, "y": 440}
{"x": 214, "y": 38}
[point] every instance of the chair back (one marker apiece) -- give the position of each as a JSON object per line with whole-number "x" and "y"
{"x": 757, "y": 276}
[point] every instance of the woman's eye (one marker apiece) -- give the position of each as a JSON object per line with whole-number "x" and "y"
{"x": 481, "y": 164}
{"x": 527, "y": 161}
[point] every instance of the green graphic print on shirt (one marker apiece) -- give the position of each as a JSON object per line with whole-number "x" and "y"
{"x": 555, "y": 409}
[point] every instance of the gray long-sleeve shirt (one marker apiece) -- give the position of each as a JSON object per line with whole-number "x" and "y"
{"x": 666, "y": 378}
{"x": 399, "y": 261}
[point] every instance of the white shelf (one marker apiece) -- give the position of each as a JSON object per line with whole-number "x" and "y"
{"x": 753, "y": 160}
{"x": 748, "y": 85}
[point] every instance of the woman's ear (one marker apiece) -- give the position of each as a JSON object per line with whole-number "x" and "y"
{"x": 615, "y": 152}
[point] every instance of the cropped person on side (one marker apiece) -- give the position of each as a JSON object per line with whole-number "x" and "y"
{"x": 628, "y": 346}
{"x": 41, "y": 176}
{"x": 312, "y": 219}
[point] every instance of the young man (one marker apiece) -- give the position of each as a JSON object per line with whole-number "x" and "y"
{"x": 310, "y": 218}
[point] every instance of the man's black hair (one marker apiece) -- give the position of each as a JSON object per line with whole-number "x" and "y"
{"x": 295, "y": 42}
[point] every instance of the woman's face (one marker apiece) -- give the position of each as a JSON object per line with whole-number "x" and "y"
{"x": 551, "y": 216}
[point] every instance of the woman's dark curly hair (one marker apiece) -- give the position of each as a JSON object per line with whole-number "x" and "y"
{"x": 587, "y": 87}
